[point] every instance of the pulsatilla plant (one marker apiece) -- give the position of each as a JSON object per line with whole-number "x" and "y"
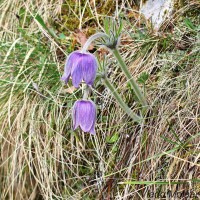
{"x": 82, "y": 66}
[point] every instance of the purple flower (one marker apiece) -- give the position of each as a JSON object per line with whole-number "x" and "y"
{"x": 81, "y": 66}
{"x": 84, "y": 115}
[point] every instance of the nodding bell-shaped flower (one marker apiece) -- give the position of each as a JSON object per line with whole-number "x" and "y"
{"x": 84, "y": 115}
{"x": 80, "y": 66}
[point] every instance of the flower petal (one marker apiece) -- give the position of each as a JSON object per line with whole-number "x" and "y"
{"x": 89, "y": 67}
{"x": 74, "y": 116}
{"x": 92, "y": 130}
{"x": 77, "y": 74}
{"x": 69, "y": 65}
{"x": 65, "y": 77}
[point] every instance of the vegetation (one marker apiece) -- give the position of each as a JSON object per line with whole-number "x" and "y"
{"x": 42, "y": 158}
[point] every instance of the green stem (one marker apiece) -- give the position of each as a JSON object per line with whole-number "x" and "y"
{"x": 117, "y": 96}
{"x": 91, "y": 39}
{"x": 133, "y": 83}
{"x": 86, "y": 92}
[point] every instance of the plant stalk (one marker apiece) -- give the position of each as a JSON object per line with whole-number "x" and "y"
{"x": 123, "y": 105}
{"x": 91, "y": 39}
{"x": 86, "y": 92}
{"x": 130, "y": 78}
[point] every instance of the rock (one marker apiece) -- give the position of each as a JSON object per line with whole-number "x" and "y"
{"x": 157, "y": 11}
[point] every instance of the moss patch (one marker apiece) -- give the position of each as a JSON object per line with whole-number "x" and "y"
{"x": 71, "y": 19}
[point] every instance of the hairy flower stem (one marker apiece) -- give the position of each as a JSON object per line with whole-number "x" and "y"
{"x": 123, "y": 105}
{"x": 133, "y": 83}
{"x": 91, "y": 39}
{"x": 86, "y": 92}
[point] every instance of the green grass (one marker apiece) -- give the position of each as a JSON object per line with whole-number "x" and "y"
{"x": 43, "y": 158}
